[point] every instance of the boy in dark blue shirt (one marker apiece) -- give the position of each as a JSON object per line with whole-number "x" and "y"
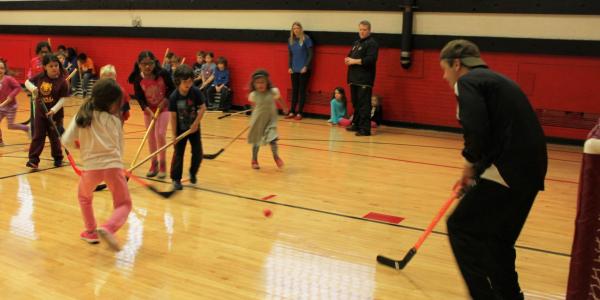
{"x": 187, "y": 107}
{"x": 220, "y": 85}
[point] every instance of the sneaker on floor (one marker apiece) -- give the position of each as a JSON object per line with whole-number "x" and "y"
{"x": 153, "y": 170}
{"x": 289, "y": 116}
{"x": 279, "y": 162}
{"x": 351, "y": 128}
{"x": 177, "y": 185}
{"x": 90, "y": 237}
{"x": 162, "y": 173}
{"x": 255, "y": 165}
{"x": 193, "y": 179}
{"x": 109, "y": 238}
{"x": 362, "y": 133}
{"x": 298, "y": 117}
{"x": 58, "y": 163}
{"x": 32, "y": 165}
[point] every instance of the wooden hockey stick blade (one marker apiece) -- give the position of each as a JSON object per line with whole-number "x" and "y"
{"x": 213, "y": 155}
{"x": 397, "y": 264}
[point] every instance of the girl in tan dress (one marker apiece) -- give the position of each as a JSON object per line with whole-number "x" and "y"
{"x": 263, "y": 122}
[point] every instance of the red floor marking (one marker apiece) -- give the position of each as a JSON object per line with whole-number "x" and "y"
{"x": 268, "y": 197}
{"x": 383, "y": 218}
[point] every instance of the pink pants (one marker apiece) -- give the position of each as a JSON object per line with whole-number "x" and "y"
{"x": 10, "y": 116}
{"x": 158, "y": 135}
{"x": 117, "y": 184}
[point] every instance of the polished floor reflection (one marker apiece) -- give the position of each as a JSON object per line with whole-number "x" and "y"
{"x": 212, "y": 241}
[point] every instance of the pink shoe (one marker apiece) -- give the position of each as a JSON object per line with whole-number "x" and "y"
{"x": 255, "y": 165}
{"x": 289, "y": 116}
{"x": 109, "y": 238}
{"x": 90, "y": 237}
{"x": 279, "y": 162}
{"x": 298, "y": 117}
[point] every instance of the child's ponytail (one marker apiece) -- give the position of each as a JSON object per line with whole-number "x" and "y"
{"x": 85, "y": 114}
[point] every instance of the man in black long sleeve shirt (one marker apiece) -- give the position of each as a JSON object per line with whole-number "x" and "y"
{"x": 362, "y": 62}
{"x": 506, "y": 163}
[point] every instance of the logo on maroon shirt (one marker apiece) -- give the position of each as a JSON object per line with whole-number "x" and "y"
{"x": 46, "y": 91}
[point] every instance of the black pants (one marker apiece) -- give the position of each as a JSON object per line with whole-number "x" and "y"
{"x": 483, "y": 230}
{"x": 225, "y": 102}
{"x": 299, "y": 85}
{"x": 43, "y": 127}
{"x": 361, "y": 101}
{"x": 177, "y": 161}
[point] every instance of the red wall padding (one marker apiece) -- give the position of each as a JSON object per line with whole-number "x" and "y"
{"x": 418, "y": 95}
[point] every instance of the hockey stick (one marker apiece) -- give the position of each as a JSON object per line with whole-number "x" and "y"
{"x": 400, "y": 264}
{"x": 235, "y": 113}
{"x": 69, "y": 157}
{"x": 153, "y": 154}
{"x": 139, "y": 150}
{"x": 165, "y": 195}
{"x": 214, "y": 155}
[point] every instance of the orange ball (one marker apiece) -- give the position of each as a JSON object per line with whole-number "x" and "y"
{"x": 267, "y": 212}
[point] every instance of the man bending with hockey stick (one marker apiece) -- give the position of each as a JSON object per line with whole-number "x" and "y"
{"x": 505, "y": 167}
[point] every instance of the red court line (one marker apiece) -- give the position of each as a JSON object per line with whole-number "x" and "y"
{"x": 407, "y": 161}
{"x": 268, "y": 197}
{"x": 383, "y": 218}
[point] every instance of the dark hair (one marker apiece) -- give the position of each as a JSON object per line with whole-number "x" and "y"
{"x": 82, "y": 57}
{"x": 466, "y": 51}
{"x": 61, "y": 47}
{"x": 135, "y": 73}
{"x": 342, "y": 92}
{"x": 201, "y": 53}
{"x": 222, "y": 60}
{"x": 260, "y": 73}
{"x": 169, "y": 54}
{"x": 182, "y": 72}
{"x": 71, "y": 53}
{"x": 48, "y": 58}
{"x": 40, "y": 45}
{"x": 105, "y": 93}
{"x": 209, "y": 54}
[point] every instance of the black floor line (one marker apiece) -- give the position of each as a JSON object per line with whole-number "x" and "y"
{"x": 30, "y": 172}
{"x": 346, "y": 216}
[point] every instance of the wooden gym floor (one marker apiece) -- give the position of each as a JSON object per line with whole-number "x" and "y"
{"x": 211, "y": 241}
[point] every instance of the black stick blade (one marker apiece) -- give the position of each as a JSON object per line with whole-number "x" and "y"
{"x": 214, "y": 155}
{"x": 100, "y": 187}
{"x": 386, "y": 261}
{"x": 397, "y": 264}
{"x": 162, "y": 194}
{"x": 224, "y": 116}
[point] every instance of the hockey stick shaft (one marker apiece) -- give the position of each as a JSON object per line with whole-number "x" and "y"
{"x": 235, "y": 113}
{"x": 139, "y": 150}
{"x": 435, "y": 220}
{"x": 214, "y": 155}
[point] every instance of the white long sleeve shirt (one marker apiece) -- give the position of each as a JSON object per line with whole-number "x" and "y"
{"x": 101, "y": 142}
